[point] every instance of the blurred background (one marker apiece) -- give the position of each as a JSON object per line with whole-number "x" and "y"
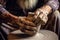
{"x": 3, "y": 2}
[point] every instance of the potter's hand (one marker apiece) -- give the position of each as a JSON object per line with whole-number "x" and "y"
{"x": 42, "y": 14}
{"x": 27, "y": 26}
{"x": 22, "y": 23}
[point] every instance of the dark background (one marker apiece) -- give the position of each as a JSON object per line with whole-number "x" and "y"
{"x": 3, "y": 2}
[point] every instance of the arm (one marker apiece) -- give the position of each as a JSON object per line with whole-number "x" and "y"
{"x": 50, "y": 5}
{"x": 24, "y": 25}
{"x": 46, "y": 9}
{"x": 54, "y": 4}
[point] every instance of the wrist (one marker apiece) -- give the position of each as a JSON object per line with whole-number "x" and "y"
{"x": 46, "y": 9}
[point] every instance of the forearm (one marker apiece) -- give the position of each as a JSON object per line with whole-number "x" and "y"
{"x": 50, "y": 6}
{"x": 41, "y": 14}
{"x": 54, "y": 4}
{"x": 6, "y": 14}
{"x": 46, "y": 9}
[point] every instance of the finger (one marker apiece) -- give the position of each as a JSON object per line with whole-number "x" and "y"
{"x": 20, "y": 17}
{"x": 43, "y": 19}
{"x": 21, "y": 25}
{"x": 27, "y": 22}
{"x": 31, "y": 28}
{"x": 14, "y": 25}
{"x": 7, "y": 26}
{"x": 29, "y": 32}
{"x": 26, "y": 18}
{"x": 29, "y": 19}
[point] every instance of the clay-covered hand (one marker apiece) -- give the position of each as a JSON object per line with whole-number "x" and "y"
{"x": 22, "y": 23}
{"x": 41, "y": 14}
{"x": 27, "y": 26}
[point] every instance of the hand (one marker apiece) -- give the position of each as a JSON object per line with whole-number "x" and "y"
{"x": 41, "y": 17}
{"x": 42, "y": 13}
{"x": 27, "y": 26}
{"x": 23, "y": 24}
